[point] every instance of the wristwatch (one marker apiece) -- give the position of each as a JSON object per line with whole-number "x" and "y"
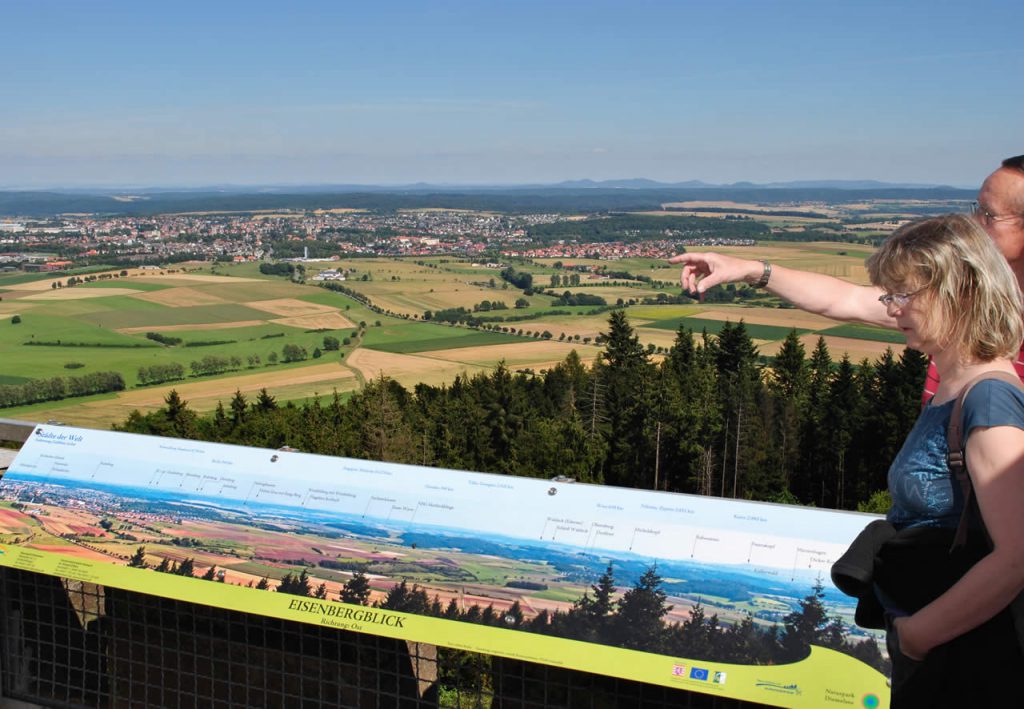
{"x": 765, "y": 275}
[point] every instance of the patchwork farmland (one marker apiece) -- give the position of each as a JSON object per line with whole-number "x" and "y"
{"x": 276, "y": 334}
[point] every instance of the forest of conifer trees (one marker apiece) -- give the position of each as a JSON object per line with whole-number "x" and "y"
{"x": 707, "y": 419}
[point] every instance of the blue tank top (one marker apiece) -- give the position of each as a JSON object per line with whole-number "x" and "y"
{"x": 924, "y": 491}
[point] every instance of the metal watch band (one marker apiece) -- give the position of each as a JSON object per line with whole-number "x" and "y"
{"x": 765, "y": 275}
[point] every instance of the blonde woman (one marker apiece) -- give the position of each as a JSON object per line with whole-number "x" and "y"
{"x": 952, "y": 637}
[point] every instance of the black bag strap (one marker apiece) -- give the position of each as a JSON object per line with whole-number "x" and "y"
{"x": 958, "y": 465}
{"x": 955, "y": 445}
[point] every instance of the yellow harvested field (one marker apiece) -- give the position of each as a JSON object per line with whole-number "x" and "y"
{"x": 43, "y": 284}
{"x": 197, "y": 326}
{"x": 857, "y": 349}
{"x": 772, "y": 252}
{"x": 9, "y": 307}
{"x": 79, "y": 293}
{"x": 537, "y": 353}
{"x": 46, "y": 281}
{"x": 290, "y": 307}
{"x": 442, "y": 366}
{"x": 328, "y": 321}
{"x": 223, "y": 388}
{"x": 203, "y": 395}
{"x": 781, "y": 317}
{"x": 658, "y": 337}
{"x": 182, "y": 297}
{"x": 408, "y": 369}
{"x": 408, "y": 300}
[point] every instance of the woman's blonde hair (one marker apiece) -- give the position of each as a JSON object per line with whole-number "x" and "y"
{"x": 955, "y": 264}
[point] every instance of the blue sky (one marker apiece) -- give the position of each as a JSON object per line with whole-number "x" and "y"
{"x": 189, "y": 93}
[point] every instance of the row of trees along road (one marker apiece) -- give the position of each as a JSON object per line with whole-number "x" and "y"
{"x": 708, "y": 419}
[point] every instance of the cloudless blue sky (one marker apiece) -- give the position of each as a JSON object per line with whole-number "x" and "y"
{"x": 472, "y": 91}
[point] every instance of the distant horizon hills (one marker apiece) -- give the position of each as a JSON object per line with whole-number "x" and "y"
{"x": 635, "y": 183}
{"x": 568, "y": 196}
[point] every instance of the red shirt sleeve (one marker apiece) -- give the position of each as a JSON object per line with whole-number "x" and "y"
{"x": 931, "y": 379}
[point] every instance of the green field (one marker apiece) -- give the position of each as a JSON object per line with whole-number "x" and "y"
{"x": 113, "y": 351}
{"x": 37, "y": 327}
{"x": 713, "y": 327}
{"x": 423, "y": 337}
{"x": 865, "y": 332}
{"x": 162, "y": 315}
{"x": 11, "y": 379}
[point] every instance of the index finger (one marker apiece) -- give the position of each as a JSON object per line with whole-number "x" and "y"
{"x": 684, "y": 258}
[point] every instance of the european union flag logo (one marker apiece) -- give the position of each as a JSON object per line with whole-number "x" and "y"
{"x": 699, "y": 673}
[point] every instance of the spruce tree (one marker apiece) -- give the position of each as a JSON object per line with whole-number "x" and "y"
{"x": 788, "y": 385}
{"x": 451, "y": 611}
{"x": 180, "y": 421}
{"x": 842, "y": 418}
{"x": 699, "y": 418}
{"x": 589, "y": 617}
{"x": 807, "y": 484}
{"x": 624, "y": 372}
{"x": 221, "y": 425}
{"x": 638, "y": 621}
{"x": 356, "y": 590}
{"x": 884, "y": 407}
{"x": 744, "y": 438}
{"x": 264, "y": 401}
{"x": 805, "y": 626}
{"x": 238, "y": 407}
{"x": 138, "y": 560}
{"x": 387, "y": 435}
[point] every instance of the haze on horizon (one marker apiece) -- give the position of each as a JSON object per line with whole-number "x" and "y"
{"x": 458, "y": 92}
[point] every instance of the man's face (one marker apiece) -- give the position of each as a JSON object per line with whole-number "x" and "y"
{"x": 1002, "y": 195}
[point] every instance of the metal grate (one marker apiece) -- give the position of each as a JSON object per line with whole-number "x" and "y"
{"x": 70, "y": 644}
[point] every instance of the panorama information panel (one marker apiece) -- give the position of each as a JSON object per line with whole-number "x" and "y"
{"x": 718, "y": 596}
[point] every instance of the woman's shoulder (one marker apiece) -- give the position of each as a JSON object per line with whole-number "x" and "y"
{"x": 994, "y": 402}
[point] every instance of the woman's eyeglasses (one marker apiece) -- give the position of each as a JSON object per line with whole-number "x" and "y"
{"x": 900, "y": 300}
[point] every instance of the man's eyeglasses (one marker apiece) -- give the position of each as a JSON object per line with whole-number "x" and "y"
{"x": 900, "y": 300}
{"x": 984, "y": 216}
